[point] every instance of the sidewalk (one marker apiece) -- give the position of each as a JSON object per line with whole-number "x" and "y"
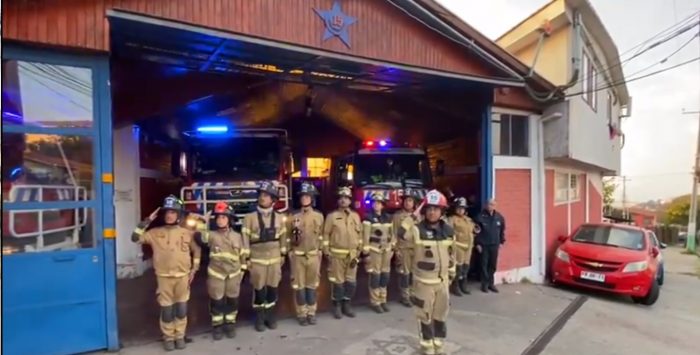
{"x": 502, "y": 323}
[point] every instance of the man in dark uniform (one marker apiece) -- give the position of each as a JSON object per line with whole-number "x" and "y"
{"x": 489, "y": 240}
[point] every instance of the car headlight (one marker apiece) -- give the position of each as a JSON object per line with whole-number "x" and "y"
{"x": 562, "y": 255}
{"x": 636, "y": 266}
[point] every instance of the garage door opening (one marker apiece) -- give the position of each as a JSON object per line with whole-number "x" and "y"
{"x": 218, "y": 110}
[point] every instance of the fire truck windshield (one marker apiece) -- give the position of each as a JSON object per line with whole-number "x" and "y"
{"x": 392, "y": 169}
{"x": 236, "y": 158}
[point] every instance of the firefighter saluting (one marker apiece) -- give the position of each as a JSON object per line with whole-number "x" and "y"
{"x": 176, "y": 258}
{"x": 379, "y": 242}
{"x": 465, "y": 230}
{"x": 264, "y": 230}
{"x": 342, "y": 244}
{"x": 433, "y": 269}
{"x": 305, "y": 254}
{"x": 405, "y": 218}
{"x": 227, "y": 251}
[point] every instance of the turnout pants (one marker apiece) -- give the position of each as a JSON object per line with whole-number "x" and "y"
{"x": 265, "y": 276}
{"x": 343, "y": 275}
{"x": 404, "y": 258}
{"x": 378, "y": 268}
{"x": 431, "y": 303}
{"x": 173, "y": 294}
{"x": 489, "y": 261}
{"x": 224, "y": 291}
{"x": 306, "y": 272}
{"x": 462, "y": 259}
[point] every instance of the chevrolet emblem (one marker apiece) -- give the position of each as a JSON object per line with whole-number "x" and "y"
{"x": 595, "y": 264}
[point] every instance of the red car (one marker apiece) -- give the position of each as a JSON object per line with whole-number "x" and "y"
{"x": 617, "y": 258}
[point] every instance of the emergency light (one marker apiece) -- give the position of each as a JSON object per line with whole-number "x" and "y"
{"x": 212, "y": 129}
{"x": 382, "y": 143}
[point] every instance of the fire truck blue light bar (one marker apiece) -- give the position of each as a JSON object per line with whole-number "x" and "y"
{"x": 212, "y": 129}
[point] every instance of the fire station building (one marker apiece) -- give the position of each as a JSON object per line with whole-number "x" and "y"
{"x": 108, "y": 106}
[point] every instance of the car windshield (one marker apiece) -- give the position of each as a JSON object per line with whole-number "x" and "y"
{"x": 611, "y": 236}
{"x": 392, "y": 169}
{"x": 236, "y": 158}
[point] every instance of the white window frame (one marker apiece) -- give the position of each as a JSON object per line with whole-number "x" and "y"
{"x": 572, "y": 188}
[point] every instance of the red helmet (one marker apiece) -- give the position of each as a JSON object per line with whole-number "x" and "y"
{"x": 435, "y": 198}
{"x": 222, "y": 208}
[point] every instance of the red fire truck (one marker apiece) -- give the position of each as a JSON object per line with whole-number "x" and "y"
{"x": 382, "y": 166}
{"x": 222, "y": 164}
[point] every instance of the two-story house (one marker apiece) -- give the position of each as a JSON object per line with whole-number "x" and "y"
{"x": 566, "y": 42}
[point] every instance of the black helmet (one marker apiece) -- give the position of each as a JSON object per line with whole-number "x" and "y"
{"x": 411, "y": 193}
{"x": 307, "y": 188}
{"x": 172, "y": 203}
{"x": 460, "y": 202}
{"x": 270, "y": 188}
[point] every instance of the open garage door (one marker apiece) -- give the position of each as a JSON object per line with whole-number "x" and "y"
{"x": 181, "y": 84}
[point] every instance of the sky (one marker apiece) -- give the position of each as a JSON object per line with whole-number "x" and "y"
{"x": 659, "y": 140}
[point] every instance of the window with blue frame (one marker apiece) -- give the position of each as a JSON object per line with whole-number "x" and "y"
{"x": 46, "y": 167}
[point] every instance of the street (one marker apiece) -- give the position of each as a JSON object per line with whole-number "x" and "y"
{"x": 506, "y": 323}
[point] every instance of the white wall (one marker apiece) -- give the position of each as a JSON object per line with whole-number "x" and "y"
{"x": 126, "y": 201}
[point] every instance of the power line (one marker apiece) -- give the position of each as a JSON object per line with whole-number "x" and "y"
{"x": 635, "y": 79}
{"x": 662, "y": 61}
{"x": 663, "y": 32}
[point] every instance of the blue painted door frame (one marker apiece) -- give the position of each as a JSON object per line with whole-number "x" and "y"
{"x": 487, "y": 172}
{"x": 47, "y": 296}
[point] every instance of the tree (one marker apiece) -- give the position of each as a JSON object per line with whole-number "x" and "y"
{"x": 677, "y": 213}
{"x": 609, "y": 187}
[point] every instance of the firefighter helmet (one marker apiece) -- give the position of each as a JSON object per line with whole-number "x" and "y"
{"x": 172, "y": 203}
{"x": 411, "y": 193}
{"x": 222, "y": 208}
{"x": 377, "y": 197}
{"x": 345, "y": 191}
{"x": 270, "y": 188}
{"x": 308, "y": 188}
{"x": 460, "y": 202}
{"x": 435, "y": 198}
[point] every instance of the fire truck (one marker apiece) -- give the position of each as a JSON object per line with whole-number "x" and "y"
{"x": 222, "y": 164}
{"x": 382, "y": 166}
{"x": 37, "y": 176}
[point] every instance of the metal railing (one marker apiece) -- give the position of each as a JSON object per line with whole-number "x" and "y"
{"x": 199, "y": 195}
{"x": 80, "y": 215}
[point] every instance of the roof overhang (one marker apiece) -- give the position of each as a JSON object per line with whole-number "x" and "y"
{"x": 204, "y": 49}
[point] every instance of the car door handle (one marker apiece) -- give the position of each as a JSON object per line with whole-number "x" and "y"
{"x": 63, "y": 258}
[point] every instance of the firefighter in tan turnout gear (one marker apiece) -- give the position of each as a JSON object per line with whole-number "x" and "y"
{"x": 433, "y": 269}
{"x": 264, "y": 230}
{"x": 379, "y": 243}
{"x": 342, "y": 244}
{"x": 405, "y": 218}
{"x": 225, "y": 272}
{"x": 465, "y": 230}
{"x": 304, "y": 228}
{"x": 176, "y": 258}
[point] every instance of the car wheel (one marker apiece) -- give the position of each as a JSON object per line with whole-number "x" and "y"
{"x": 651, "y": 297}
{"x": 660, "y": 278}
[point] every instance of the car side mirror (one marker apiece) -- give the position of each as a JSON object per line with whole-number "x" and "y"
{"x": 663, "y": 245}
{"x": 562, "y": 238}
{"x": 655, "y": 251}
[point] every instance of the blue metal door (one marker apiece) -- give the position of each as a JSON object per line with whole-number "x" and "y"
{"x": 58, "y": 267}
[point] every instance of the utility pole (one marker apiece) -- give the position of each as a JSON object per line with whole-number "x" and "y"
{"x": 625, "y": 214}
{"x": 692, "y": 216}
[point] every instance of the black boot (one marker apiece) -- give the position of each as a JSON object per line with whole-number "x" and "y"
{"x": 347, "y": 309}
{"x": 311, "y": 319}
{"x": 349, "y": 293}
{"x": 463, "y": 279}
{"x": 168, "y": 345}
{"x": 337, "y": 312}
{"x": 271, "y": 313}
{"x": 375, "y": 307}
{"x": 217, "y": 333}
{"x": 404, "y": 285}
{"x": 260, "y": 320}
{"x": 454, "y": 288}
{"x": 338, "y": 292}
{"x": 493, "y": 289}
{"x": 230, "y": 330}
{"x": 464, "y": 287}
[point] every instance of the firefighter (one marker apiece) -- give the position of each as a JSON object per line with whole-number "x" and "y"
{"x": 226, "y": 253}
{"x": 378, "y": 243}
{"x": 176, "y": 258}
{"x": 404, "y": 252}
{"x": 264, "y": 230}
{"x": 433, "y": 269}
{"x": 305, "y": 255}
{"x": 342, "y": 245}
{"x": 465, "y": 230}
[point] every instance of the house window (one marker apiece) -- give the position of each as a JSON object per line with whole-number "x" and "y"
{"x": 510, "y": 135}
{"x": 590, "y": 76}
{"x": 566, "y": 188}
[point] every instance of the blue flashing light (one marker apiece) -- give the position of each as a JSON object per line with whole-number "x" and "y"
{"x": 367, "y": 202}
{"x": 212, "y": 129}
{"x": 16, "y": 172}
{"x": 383, "y": 143}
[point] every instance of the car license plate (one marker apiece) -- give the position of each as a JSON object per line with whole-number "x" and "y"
{"x": 593, "y": 276}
